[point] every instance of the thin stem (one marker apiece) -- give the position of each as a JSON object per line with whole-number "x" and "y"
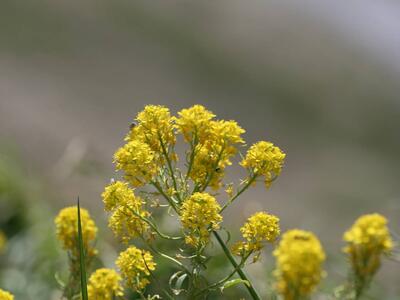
{"x": 171, "y": 170}
{"x": 213, "y": 170}
{"x": 245, "y": 187}
{"x": 192, "y": 155}
{"x": 222, "y": 281}
{"x": 161, "y": 191}
{"x": 152, "y": 225}
{"x": 242, "y": 275}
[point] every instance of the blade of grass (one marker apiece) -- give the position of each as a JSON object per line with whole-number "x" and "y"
{"x": 82, "y": 257}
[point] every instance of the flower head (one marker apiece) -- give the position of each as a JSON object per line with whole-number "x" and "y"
{"x": 194, "y": 123}
{"x": 104, "y": 284}
{"x": 127, "y": 210}
{"x": 299, "y": 259}
{"x": 137, "y": 160}
{"x": 199, "y": 215}
{"x": 213, "y": 155}
{"x": 155, "y": 126}
{"x": 67, "y": 229}
{"x": 263, "y": 158}
{"x": 135, "y": 266}
{"x": 4, "y": 295}
{"x": 259, "y": 228}
{"x": 367, "y": 240}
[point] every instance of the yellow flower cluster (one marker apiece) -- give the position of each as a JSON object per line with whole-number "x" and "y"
{"x": 263, "y": 158}
{"x": 299, "y": 259}
{"x": 194, "y": 123}
{"x": 5, "y": 295}
{"x": 367, "y": 240}
{"x": 155, "y": 127}
{"x": 67, "y": 230}
{"x": 199, "y": 215}
{"x": 3, "y": 241}
{"x": 214, "y": 143}
{"x": 135, "y": 266}
{"x": 259, "y": 228}
{"x": 138, "y": 162}
{"x": 104, "y": 284}
{"x": 127, "y": 211}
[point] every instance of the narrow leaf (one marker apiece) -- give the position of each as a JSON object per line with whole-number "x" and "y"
{"x": 82, "y": 257}
{"x": 234, "y": 282}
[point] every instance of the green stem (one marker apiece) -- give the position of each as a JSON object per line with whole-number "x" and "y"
{"x": 171, "y": 170}
{"x": 152, "y": 225}
{"x": 242, "y": 275}
{"x": 192, "y": 155}
{"x": 245, "y": 187}
{"x": 161, "y": 191}
{"x": 222, "y": 281}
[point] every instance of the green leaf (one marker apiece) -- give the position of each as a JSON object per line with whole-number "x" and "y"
{"x": 82, "y": 257}
{"x": 234, "y": 282}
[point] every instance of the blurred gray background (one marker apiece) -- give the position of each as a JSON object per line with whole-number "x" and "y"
{"x": 318, "y": 78}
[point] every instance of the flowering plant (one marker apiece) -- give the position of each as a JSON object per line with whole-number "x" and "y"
{"x": 156, "y": 181}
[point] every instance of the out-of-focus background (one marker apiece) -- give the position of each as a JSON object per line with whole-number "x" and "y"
{"x": 318, "y": 78}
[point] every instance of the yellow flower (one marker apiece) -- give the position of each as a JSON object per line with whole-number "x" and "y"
{"x": 212, "y": 156}
{"x": 259, "y": 228}
{"x": 155, "y": 125}
{"x": 5, "y": 295}
{"x": 194, "y": 123}
{"x": 263, "y": 158}
{"x": 104, "y": 284}
{"x": 367, "y": 240}
{"x": 137, "y": 161}
{"x": 299, "y": 259}
{"x": 3, "y": 241}
{"x": 67, "y": 229}
{"x": 135, "y": 266}
{"x": 126, "y": 209}
{"x": 199, "y": 215}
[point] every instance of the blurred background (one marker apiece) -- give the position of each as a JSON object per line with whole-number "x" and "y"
{"x": 320, "y": 79}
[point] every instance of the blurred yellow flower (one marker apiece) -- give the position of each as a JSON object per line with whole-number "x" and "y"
{"x": 367, "y": 240}
{"x": 6, "y": 295}
{"x": 299, "y": 259}
{"x": 135, "y": 266}
{"x": 104, "y": 284}
{"x": 67, "y": 229}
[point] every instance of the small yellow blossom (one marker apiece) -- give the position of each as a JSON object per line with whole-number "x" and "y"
{"x": 3, "y": 241}
{"x": 155, "y": 126}
{"x": 263, "y": 158}
{"x": 67, "y": 229}
{"x": 212, "y": 156}
{"x": 104, "y": 284}
{"x": 135, "y": 266}
{"x": 299, "y": 259}
{"x": 367, "y": 240}
{"x": 137, "y": 160}
{"x": 6, "y": 295}
{"x": 116, "y": 194}
{"x": 127, "y": 210}
{"x": 199, "y": 215}
{"x": 194, "y": 123}
{"x": 259, "y": 228}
